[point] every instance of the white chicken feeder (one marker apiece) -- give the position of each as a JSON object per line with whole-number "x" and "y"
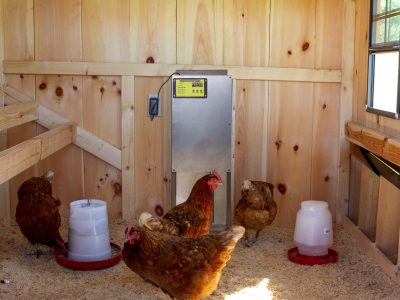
{"x": 88, "y": 238}
{"x": 313, "y": 231}
{"x": 313, "y": 234}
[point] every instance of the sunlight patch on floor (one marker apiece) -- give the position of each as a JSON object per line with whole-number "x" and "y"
{"x": 260, "y": 291}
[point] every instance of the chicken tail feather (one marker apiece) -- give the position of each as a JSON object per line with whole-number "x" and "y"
{"x": 236, "y": 232}
{"x": 148, "y": 221}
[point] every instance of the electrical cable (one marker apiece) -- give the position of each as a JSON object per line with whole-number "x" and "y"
{"x": 159, "y": 90}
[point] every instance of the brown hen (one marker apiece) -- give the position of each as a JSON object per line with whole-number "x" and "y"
{"x": 185, "y": 268}
{"x": 37, "y": 213}
{"x": 256, "y": 209}
{"x": 192, "y": 217}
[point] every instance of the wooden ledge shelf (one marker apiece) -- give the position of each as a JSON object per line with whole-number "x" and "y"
{"x": 17, "y": 114}
{"x": 374, "y": 141}
{"x": 24, "y": 155}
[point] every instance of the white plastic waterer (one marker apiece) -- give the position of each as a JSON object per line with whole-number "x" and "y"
{"x": 88, "y": 238}
{"x": 313, "y": 232}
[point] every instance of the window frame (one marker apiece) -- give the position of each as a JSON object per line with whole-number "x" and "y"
{"x": 379, "y": 48}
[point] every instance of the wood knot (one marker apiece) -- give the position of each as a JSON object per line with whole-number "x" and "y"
{"x": 326, "y": 179}
{"x": 75, "y": 88}
{"x": 282, "y": 188}
{"x": 102, "y": 89}
{"x": 305, "y": 46}
{"x": 117, "y": 188}
{"x": 59, "y": 91}
{"x": 42, "y": 86}
{"x": 278, "y": 144}
{"x": 165, "y": 179}
{"x": 150, "y": 60}
{"x": 149, "y": 169}
{"x": 324, "y": 106}
{"x": 295, "y": 147}
{"x": 94, "y": 77}
{"x": 114, "y": 82}
{"x": 289, "y": 52}
{"x": 244, "y": 89}
{"x": 242, "y": 15}
{"x": 238, "y": 142}
{"x": 21, "y": 76}
{"x": 119, "y": 92}
{"x": 159, "y": 210}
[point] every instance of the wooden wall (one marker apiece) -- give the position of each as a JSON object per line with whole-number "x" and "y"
{"x": 288, "y": 131}
{"x": 374, "y": 202}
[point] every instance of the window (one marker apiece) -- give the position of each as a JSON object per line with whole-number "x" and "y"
{"x": 383, "y": 72}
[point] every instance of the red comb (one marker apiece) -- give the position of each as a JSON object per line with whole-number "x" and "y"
{"x": 215, "y": 173}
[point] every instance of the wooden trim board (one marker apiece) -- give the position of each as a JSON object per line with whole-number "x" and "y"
{"x": 20, "y": 157}
{"x": 85, "y": 140}
{"x": 374, "y": 141}
{"x": 18, "y": 114}
{"x": 136, "y": 69}
{"x": 128, "y": 146}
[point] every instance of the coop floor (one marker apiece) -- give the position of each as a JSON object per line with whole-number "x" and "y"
{"x": 260, "y": 272}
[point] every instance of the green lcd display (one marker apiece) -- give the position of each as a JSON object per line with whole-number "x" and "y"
{"x": 190, "y": 87}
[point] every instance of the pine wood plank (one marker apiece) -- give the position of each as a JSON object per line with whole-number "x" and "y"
{"x": 18, "y": 158}
{"x": 329, "y": 26}
{"x": 15, "y": 135}
{"x": 325, "y": 145}
{"x": 103, "y": 182}
{"x": 85, "y": 140}
{"x": 361, "y": 44}
{"x": 368, "y": 203}
{"x": 19, "y": 45}
{"x": 152, "y": 171}
{"x": 290, "y": 143}
{"x": 128, "y": 147}
{"x": 153, "y": 31}
{"x": 58, "y": 38}
{"x": 371, "y": 250}
{"x": 251, "y": 133}
{"x": 241, "y": 20}
{"x": 5, "y": 216}
{"x": 22, "y": 156}
{"x": 105, "y": 38}
{"x": 289, "y": 47}
{"x": 18, "y": 114}
{"x": 200, "y": 32}
{"x": 67, "y": 182}
{"x": 388, "y": 221}
{"x": 58, "y": 30}
{"x": 61, "y": 94}
{"x": 105, "y": 30}
{"x": 346, "y": 104}
{"x": 137, "y": 69}
{"x": 18, "y": 29}
{"x": 354, "y": 189}
{"x": 374, "y": 141}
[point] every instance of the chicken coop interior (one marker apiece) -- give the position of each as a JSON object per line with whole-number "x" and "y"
{"x": 77, "y": 81}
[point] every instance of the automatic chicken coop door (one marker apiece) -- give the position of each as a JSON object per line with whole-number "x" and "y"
{"x": 202, "y": 136}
